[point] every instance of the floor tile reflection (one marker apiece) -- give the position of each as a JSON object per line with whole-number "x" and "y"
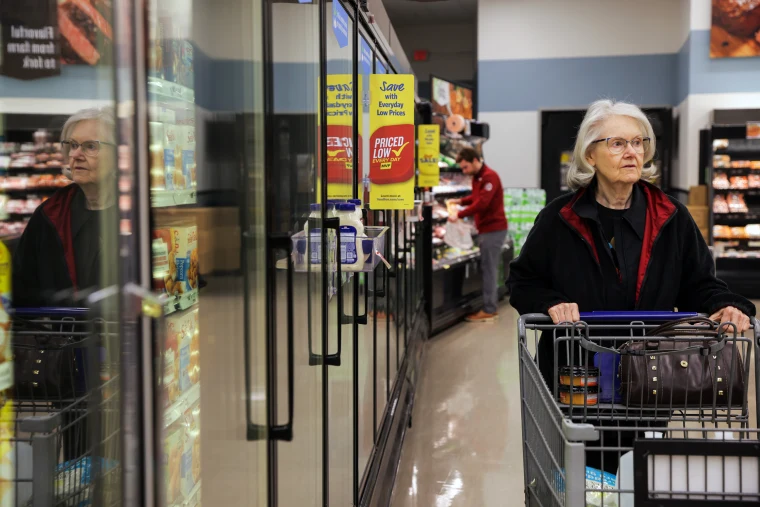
{"x": 465, "y": 444}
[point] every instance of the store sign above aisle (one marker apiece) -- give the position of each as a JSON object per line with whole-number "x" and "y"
{"x": 30, "y": 42}
{"x": 391, "y": 171}
{"x": 340, "y": 23}
{"x": 428, "y": 149}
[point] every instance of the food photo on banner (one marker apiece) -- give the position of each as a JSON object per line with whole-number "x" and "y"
{"x": 40, "y": 35}
{"x": 735, "y": 31}
{"x": 392, "y": 142}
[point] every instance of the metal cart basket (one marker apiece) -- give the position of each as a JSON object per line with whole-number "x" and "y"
{"x": 592, "y": 438}
{"x": 65, "y": 417}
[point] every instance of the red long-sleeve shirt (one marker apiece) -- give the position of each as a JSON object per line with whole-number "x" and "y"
{"x": 486, "y": 203}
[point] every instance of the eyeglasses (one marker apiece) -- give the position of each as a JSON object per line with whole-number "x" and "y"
{"x": 90, "y": 148}
{"x": 617, "y": 145}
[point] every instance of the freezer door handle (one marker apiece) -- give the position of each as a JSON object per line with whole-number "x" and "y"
{"x": 331, "y": 359}
{"x": 282, "y": 432}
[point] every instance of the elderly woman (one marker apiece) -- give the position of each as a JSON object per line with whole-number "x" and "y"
{"x": 618, "y": 242}
{"x": 60, "y": 250}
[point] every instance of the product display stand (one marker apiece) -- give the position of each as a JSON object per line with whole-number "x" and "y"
{"x": 454, "y": 288}
{"x": 734, "y": 199}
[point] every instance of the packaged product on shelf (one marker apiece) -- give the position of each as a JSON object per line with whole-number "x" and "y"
{"x": 183, "y": 259}
{"x": 191, "y": 453}
{"x": 170, "y": 158}
{"x": 720, "y": 205}
{"x": 721, "y": 232}
{"x": 753, "y": 230}
{"x": 171, "y": 387}
{"x": 738, "y": 233}
{"x": 736, "y": 203}
{"x": 188, "y": 155}
{"x": 186, "y": 75}
{"x": 173, "y": 448}
{"x": 738, "y": 182}
{"x": 754, "y": 164}
{"x": 155, "y": 49}
{"x": 720, "y": 144}
{"x": 194, "y": 370}
{"x": 185, "y": 325}
{"x": 754, "y": 180}
{"x": 722, "y": 161}
{"x": 720, "y": 180}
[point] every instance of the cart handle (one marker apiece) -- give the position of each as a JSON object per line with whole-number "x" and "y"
{"x": 50, "y": 312}
{"x": 636, "y": 316}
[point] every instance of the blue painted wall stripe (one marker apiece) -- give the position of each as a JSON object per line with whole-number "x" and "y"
{"x": 664, "y": 79}
{"x": 527, "y": 85}
{"x": 719, "y": 75}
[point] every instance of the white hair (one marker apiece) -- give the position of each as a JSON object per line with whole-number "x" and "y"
{"x": 581, "y": 173}
{"x": 104, "y": 115}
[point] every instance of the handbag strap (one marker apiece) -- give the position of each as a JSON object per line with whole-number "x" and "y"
{"x": 713, "y": 343}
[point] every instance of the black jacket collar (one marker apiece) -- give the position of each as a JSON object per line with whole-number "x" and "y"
{"x": 636, "y": 215}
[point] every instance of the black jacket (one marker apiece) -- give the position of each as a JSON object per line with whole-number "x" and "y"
{"x": 560, "y": 263}
{"x": 43, "y": 263}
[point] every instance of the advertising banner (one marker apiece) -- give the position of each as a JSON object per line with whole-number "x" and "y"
{"x": 30, "y": 41}
{"x": 391, "y": 168}
{"x": 340, "y": 147}
{"x": 428, "y": 149}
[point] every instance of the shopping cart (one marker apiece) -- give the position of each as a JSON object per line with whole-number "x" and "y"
{"x": 65, "y": 401}
{"x": 674, "y": 448}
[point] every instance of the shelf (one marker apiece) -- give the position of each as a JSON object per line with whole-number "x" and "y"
{"x": 736, "y": 218}
{"x": 181, "y": 302}
{"x": 185, "y": 400}
{"x": 168, "y": 90}
{"x": 32, "y": 170}
{"x": 30, "y": 190}
{"x": 167, "y": 198}
{"x": 442, "y": 192}
{"x": 746, "y": 191}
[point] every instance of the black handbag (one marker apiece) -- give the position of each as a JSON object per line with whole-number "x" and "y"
{"x": 48, "y": 362}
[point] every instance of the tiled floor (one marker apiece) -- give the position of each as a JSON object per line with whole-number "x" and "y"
{"x": 465, "y": 446}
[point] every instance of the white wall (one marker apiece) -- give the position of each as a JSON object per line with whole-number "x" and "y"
{"x": 513, "y": 150}
{"x": 549, "y": 29}
{"x": 527, "y": 29}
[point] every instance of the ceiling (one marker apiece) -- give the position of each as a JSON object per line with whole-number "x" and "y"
{"x": 426, "y": 12}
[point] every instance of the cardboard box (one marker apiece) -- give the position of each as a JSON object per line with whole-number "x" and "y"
{"x": 698, "y": 195}
{"x": 700, "y": 214}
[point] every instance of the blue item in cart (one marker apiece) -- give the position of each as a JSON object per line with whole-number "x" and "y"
{"x": 609, "y": 377}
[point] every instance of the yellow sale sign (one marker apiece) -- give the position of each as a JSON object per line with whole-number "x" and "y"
{"x": 428, "y": 150}
{"x": 391, "y": 163}
{"x": 340, "y": 135}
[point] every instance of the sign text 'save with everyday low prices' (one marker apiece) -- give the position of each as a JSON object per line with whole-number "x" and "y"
{"x": 392, "y": 141}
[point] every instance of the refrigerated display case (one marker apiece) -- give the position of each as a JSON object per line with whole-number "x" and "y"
{"x": 234, "y": 374}
{"x": 734, "y": 206}
{"x": 453, "y": 282}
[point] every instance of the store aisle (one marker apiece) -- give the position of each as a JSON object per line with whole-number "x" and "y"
{"x": 465, "y": 444}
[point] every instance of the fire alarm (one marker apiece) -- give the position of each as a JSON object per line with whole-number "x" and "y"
{"x": 420, "y": 55}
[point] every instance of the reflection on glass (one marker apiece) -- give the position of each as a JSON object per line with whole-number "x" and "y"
{"x": 58, "y": 257}
{"x": 175, "y": 245}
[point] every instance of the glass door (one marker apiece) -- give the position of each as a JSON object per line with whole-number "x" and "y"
{"x": 220, "y": 401}
{"x": 297, "y": 212}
